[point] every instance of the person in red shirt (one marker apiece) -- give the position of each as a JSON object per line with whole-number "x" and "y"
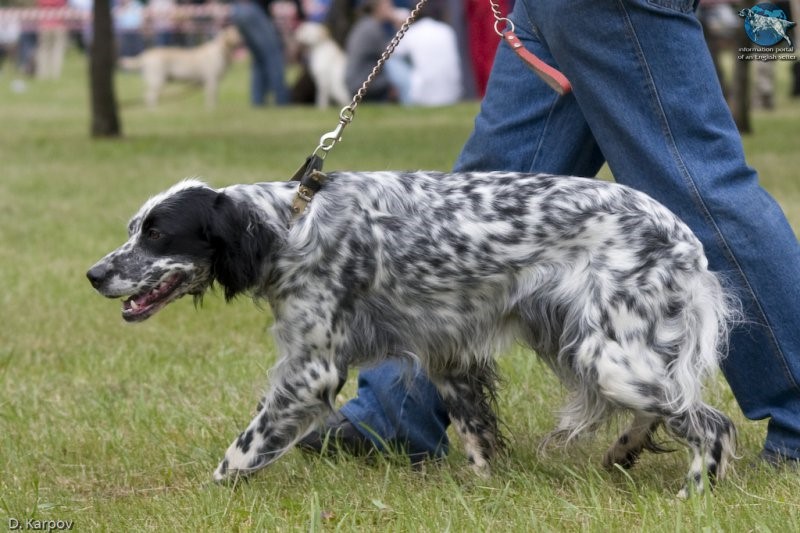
{"x": 52, "y": 41}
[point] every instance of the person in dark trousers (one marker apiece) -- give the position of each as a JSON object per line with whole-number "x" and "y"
{"x": 263, "y": 40}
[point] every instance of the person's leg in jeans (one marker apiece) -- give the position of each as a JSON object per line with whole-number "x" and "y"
{"x": 247, "y": 17}
{"x": 397, "y": 406}
{"x": 263, "y": 42}
{"x": 646, "y": 85}
{"x": 275, "y": 63}
{"x": 645, "y": 82}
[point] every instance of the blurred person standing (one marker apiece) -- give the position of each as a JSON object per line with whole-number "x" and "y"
{"x": 52, "y": 40}
{"x": 339, "y": 19}
{"x": 84, "y": 33}
{"x": 267, "y": 63}
{"x": 365, "y": 44}
{"x": 161, "y": 18}
{"x": 421, "y": 77}
{"x": 483, "y": 40}
{"x": 9, "y": 36}
{"x": 457, "y": 18}
{"x": 128, "y": 22}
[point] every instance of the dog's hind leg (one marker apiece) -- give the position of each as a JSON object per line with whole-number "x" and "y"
{"x": 639, "y": 436}
{"x": 469, "y": 399}
{"x": 302, "y": 393}
{"x": 642, "y": 386}
{"x": 711, "y": 436}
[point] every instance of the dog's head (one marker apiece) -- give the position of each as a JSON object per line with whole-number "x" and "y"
{"x": 311, "y": 34}
{"x": 231, "y": 37}
{"x": 179, "y": 243}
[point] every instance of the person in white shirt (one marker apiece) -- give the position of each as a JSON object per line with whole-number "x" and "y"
{"x": 425, "y": 67}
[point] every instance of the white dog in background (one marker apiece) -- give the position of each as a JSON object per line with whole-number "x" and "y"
{"x": 326, "y": 61}
{"x": 205, "y": 64}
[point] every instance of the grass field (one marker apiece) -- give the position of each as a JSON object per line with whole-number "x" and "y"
{"x": 118, "y": 427}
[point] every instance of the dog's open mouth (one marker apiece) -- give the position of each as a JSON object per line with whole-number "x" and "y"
{"x": 144, "y": 305}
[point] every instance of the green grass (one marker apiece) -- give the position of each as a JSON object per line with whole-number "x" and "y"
{"x": 118, "y": 427}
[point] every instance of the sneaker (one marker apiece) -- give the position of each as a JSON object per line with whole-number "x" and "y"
{"x": 778, "y": 460}
{"x": 337, "y": 434}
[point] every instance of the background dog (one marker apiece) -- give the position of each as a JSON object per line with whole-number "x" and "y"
{"x": 326, "y": 62}
{"x": 604, "y": 283}
{"x": 205, "y": 64}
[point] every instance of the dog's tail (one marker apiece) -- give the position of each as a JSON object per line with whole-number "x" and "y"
{"x": 710, "y": 313}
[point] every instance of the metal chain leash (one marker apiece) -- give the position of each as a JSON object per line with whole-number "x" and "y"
{"x": 346, "y": 115}
{"x": 385, "y": 55}
{"x": 310, "y": 173}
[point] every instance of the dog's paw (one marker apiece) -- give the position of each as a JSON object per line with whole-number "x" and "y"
{"x": 624, "y": 457}
{"x": 687, "y": 492}
{"x": 225, "y": 475}
{"x": 483, "y": 472}
{"x": 694, "y": 486}
{"x": 222, "y": 473}
{"x": 236, "y": 464}
{"x": 480, "y": 467}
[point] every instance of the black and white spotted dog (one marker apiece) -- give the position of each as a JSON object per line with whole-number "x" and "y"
{"x": 604, "y": 283}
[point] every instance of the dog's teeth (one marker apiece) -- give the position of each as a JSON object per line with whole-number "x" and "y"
{"x": 134, "y": 305}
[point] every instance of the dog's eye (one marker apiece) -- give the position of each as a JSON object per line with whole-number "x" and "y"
{"x": 153, "y": 234}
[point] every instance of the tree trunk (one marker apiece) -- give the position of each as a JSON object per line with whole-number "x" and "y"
{"x": 105, "y": 118}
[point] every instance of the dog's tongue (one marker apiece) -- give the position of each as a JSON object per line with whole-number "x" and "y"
{"x": 142, "y": 300}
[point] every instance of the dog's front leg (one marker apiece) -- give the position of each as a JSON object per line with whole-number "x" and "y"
{"x": 301, "y": 393}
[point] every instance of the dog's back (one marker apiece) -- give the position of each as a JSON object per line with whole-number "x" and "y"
{"x": 546, "y": 249}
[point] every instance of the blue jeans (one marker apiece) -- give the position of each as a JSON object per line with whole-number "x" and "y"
{"x": 646, "y": 100}
{"x": 398, "y": 406}
{"x": 267, "y": 70}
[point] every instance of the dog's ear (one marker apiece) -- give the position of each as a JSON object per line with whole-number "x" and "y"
{"x": 241, "y": 245}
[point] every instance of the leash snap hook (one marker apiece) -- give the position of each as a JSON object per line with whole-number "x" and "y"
{"x": 329, "y": 140}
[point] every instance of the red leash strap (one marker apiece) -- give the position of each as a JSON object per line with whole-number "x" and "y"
{"x": 551, "y": 76}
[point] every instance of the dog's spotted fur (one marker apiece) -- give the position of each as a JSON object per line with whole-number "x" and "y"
{"x": 605, "y": 284}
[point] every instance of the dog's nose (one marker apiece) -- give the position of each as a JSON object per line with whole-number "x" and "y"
{"x": 97, "y": 274}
